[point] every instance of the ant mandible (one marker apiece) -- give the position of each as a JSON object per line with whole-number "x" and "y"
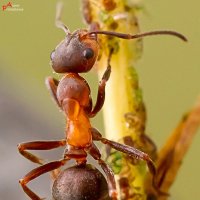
{"x": 76, "y": 54}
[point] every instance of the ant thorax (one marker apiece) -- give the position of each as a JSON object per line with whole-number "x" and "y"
{"x": 73, "y": 95}
{"x": 73, "y": 86}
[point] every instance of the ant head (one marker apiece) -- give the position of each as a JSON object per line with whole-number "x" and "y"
{"x": 76, "y": 53}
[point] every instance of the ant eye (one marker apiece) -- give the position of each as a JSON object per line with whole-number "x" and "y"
{"x": 88, "y": 53}
{"x": 52, "y": 55}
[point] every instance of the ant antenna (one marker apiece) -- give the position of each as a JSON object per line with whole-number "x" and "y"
{"x": 58, "y": 21}
{"x": 140, "y": 35}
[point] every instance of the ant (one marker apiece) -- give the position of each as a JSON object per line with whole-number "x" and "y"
{"x": 76, "y": 54}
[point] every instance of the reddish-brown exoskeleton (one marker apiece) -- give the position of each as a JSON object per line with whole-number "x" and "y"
{"x": 76, "y": 54}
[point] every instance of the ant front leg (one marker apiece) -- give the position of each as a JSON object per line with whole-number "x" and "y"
{"x": 52, "y": 85}
{"x": 128, "y": 150}
{"x": 101, "y": 92}
{"x": 37, "y": 172}
{"x": 101, "y": 89}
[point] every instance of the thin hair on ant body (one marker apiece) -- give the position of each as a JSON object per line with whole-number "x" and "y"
{"x": 76, "y": 54}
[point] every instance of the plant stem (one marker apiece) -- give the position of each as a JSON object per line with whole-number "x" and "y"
{"x": 123, "y": 95}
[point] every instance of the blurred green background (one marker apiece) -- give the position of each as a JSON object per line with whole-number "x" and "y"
{"x": 169, "y": 72}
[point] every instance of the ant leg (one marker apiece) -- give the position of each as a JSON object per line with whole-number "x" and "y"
{"x": 52, "y": 84}
{"x": 126, "y": 149}
{"x": 37, "y": 172}
{"x": 101, "y": 92}
{"x": 38, "y": 145}
{"x": 101, "y": 89}
{"x": 88, "y": 109}
{"x": 94, "y": 152}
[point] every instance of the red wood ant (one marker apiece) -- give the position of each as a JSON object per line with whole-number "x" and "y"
{"x": 76, "y": 54}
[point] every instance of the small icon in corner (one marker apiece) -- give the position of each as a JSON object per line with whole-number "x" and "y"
{"x": 12, "y": 7}
{"x": 4, "y": 7}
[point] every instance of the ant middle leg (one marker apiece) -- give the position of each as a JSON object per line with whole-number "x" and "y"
{"x": 38, "y": 145}
{"x": 128, "y": 150}
{"x": 37, "y": 172}
{"x": 101, "y": 89}
{"x": 94, "y": 152}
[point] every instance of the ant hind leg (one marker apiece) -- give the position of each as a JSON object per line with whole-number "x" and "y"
{"x": 37, "y": 172}
{"x": 127, "y": 150}
{"x": 94, "y": 152}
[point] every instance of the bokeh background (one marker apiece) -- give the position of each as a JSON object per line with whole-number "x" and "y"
{"x": 169, "y": 72}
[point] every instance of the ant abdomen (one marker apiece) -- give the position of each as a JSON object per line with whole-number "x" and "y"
{"x": 80, "y": 183}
